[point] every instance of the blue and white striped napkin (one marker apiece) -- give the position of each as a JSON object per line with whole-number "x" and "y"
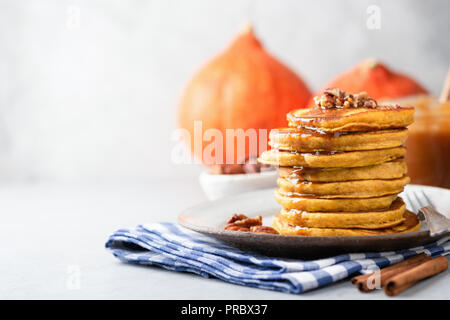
{"x": 175, "y": 248}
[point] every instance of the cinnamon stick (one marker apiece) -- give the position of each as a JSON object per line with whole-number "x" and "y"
{"x": 362, "y": 281}
{"x": 408, "y": 278}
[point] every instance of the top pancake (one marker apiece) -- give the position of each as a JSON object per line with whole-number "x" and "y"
{"x": 351, "y": 119}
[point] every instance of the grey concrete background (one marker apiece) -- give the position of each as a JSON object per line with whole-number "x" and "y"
{"x": 94, "y": 101}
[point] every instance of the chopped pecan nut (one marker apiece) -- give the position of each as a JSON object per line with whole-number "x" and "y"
{"x": 248, "y": 165}
{"x": 335, "y": 98}
{"x": 236, "y": 217}
{"x": 236, "y": 228}
{"x": 263, "y": 229}
{"x": 251, "y": 168}
{"x": 227, "y": 169}
{"x": 248, "y": 222}
{"x": 240, "y": 222}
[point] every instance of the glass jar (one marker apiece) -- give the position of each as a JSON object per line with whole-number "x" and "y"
{"x": 428, "y": 143}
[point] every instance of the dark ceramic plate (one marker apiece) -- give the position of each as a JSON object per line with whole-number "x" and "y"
{"x": 209, "y": 218}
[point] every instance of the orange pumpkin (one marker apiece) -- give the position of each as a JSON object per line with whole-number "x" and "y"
{"x": 243, "y": 87}
{"x": 377, "y": 80}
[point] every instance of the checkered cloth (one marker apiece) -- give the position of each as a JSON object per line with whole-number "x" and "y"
{"x": 175, "y": 248}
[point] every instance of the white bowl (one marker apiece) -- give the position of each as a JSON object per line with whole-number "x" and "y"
{"x": 220, "y": 185}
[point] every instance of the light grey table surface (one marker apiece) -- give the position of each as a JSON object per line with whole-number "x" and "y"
{"x": 52, "y": 247}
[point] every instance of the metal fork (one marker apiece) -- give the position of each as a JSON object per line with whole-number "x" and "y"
{"x": 420, "y": 203}
{"x": 417, "y": 202}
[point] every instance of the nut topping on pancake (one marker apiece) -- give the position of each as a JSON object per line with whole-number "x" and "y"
{"x": 335, "y": 98}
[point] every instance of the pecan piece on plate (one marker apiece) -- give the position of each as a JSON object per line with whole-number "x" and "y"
{"x": 248, "y": 222}
{"x": 263, "y": 229}
{"x": 240, "y": 222}
{"x": 236, "y": 228}
{"x": 236, "y": 217}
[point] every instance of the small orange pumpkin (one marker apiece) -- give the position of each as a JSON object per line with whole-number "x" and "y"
{"x": 377, "y": 80}
{"x": 243, "y": 87}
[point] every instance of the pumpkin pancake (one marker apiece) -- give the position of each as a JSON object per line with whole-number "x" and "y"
{"x": 345, "y": 189}
{"x": 352, "y": 119}
{"x": 317, "y": 204}
{"x": 361, "y": 220}
{"x": 330, "y": 159}
{"x": 305, "y": 140}
{"x": 410, "y": 223}
{"x": 388, "y": 170}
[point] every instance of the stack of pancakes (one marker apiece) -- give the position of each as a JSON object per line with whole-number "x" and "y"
{"x": 341, "y": 166}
